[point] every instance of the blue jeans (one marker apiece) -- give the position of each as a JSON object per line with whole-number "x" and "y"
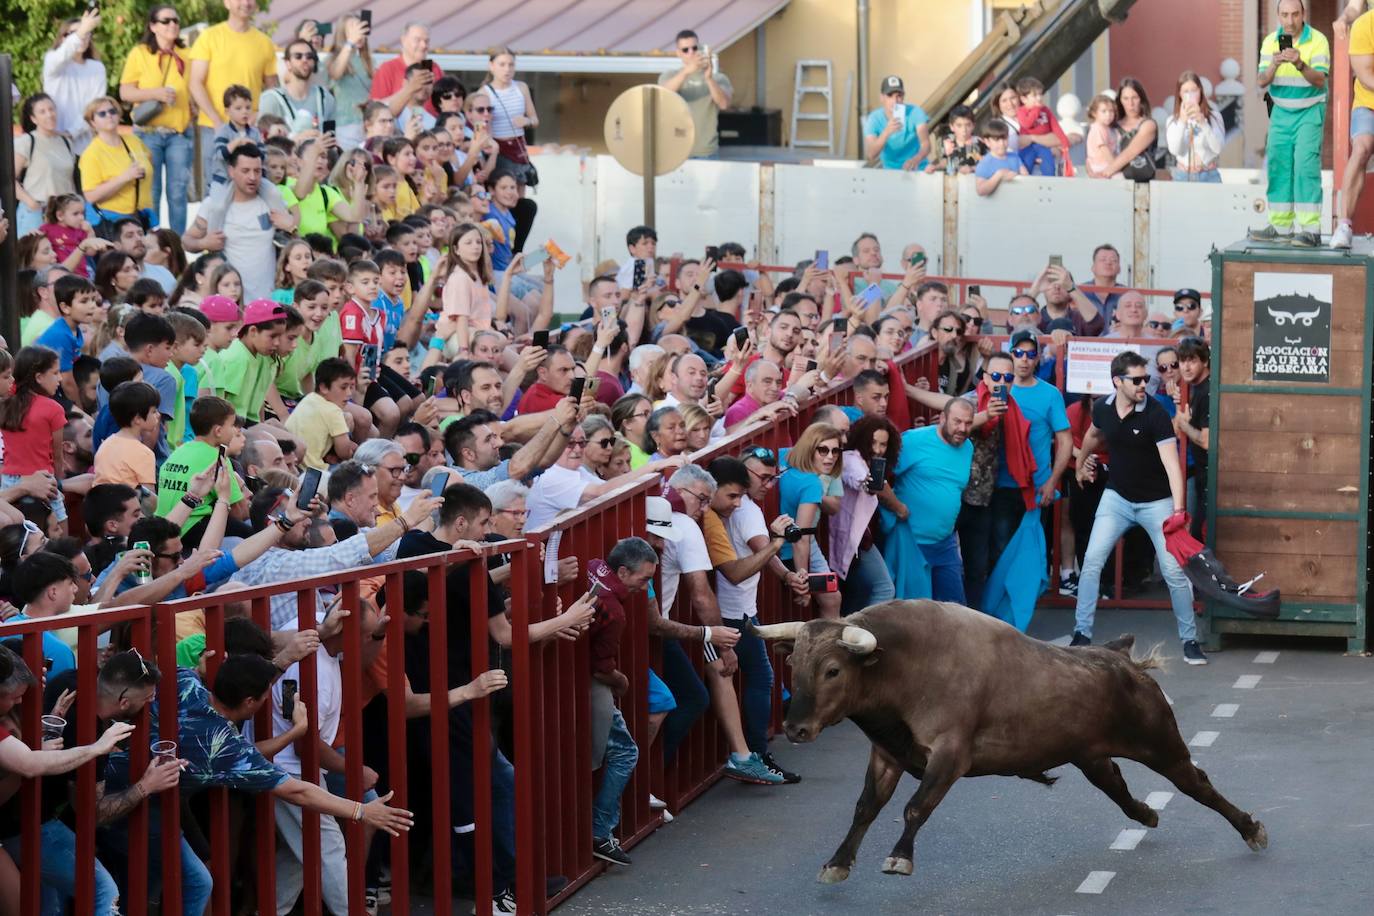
{"x": 946, "y": 569}
{"x": 1210, "y": 176}
{"x": 171, "y": 156}
{"x": 757, "y": 696}
{"x": 1115, "y": 516}
{"x": 869, "y": 582}
{"x": 1038, "y": 159}
{"x": 207, "y": 154}
{"x": 621, "y": 756}
{"x": 689, "y": 693}
{"x": 57, "y": 861}
{"x": 502, "y": 827}
{"x": 25, "y": 219}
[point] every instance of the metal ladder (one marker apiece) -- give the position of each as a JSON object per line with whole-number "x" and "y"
{"x": 804, "y": 89}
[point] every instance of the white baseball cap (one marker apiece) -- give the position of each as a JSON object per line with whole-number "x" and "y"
{"x": 660, "y": 519}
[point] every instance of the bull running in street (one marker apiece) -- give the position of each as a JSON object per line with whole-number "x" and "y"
{"x": 944, "y": 692}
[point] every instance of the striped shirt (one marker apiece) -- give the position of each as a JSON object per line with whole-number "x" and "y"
{"x": 1289, "y": 88}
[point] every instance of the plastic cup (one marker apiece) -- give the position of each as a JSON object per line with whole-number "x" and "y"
{"x": 164, "y": 752}
{"x": 53, "y": 727}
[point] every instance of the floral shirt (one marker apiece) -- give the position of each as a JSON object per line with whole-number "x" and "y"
{"x": 215, "y": 751}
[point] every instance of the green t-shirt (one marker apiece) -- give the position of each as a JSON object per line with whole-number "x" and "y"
{"x": 293, "y": 369}
{"x": 176, "y": 429}
{"x": 244, "y": 378}
{"x": 316, "y": 213}
{"x": 328, "y": 341}
{"x": 174, "y": 480}
{"x": 32, "y": 326}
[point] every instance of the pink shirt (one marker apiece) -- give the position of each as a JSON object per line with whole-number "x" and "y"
{"x": 465, "y": 296}
{"x": 741, "y": 410}
{"x": 856, "y": 511}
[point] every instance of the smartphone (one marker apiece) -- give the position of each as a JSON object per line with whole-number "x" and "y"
{"x": 219, "y": 463}
{"x": 431, "y": 385}
{"x": 536, "y": 257}
{"x": 310, "y": 485}
{"x": 327, "y": 126}
{"x": 917, "y": 258}
{"x": 1285, "y": 41}
{"x": 713, "y": 253}
{"x": 366, "y": 17}
{"x": 372, "y": 359}
{"x": 871, "y": 293}
{"x": 324, "y": 28}
{"x": 577, "y": 385}
{"x": 541, "y": 338}
{"x": 810, "y": 365}
{"x": 288, "y": 698}
{"x": 836, "y": 341}
{"x": 899, "y": 113}
{"x": 641, "y": 272}
{"x": 822, "y": 583}
{"x": 975, "y": 290}
{"x": 877, "y": 474}
{"x": 1056, "y": 260}
{"x": 439, "y": 484}
{"x": 822, "y": 259}
{"x": 706, "y": 50}
{"x": 428, "y": 66}
{"x": 1004, "y": 392}
{"x": 741, "y": 335}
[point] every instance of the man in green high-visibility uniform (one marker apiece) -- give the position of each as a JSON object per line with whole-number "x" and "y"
{"x": 1294, "y": 63}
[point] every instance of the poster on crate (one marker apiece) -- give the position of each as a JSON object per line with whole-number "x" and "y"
{"x": 1292, "y": 327}
{"x": 1089, "y": 366}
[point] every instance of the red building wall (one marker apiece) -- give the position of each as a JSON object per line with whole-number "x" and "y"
{"x": 1162, "y": 38}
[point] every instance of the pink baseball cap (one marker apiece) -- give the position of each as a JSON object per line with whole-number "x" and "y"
{"x": 219, "y": 308}
{"x": 263, "y": 311}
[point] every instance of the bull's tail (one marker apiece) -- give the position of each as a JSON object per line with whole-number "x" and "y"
{"x": 1154, "y": 658}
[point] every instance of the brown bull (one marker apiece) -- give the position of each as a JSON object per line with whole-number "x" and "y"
{"x": 945, "y": 692}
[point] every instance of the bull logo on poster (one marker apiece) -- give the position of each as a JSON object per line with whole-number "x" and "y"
{"x": 1292, "y": 327}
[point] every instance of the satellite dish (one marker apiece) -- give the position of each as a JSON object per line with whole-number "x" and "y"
{"x": 629, "y": 138}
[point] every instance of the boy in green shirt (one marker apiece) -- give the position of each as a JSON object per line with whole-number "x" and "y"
{"x": 187, "y": 352}
{"x": 215, "y": 427}
{"x": 312, "y": 305}
{"x": 224, "y": 317}
{"x": 248, "y": 367}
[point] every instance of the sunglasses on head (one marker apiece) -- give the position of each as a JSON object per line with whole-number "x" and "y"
{"x": 1024, "y": 354}
{"x": 761, "y": 454}
{"x": 1001, "y": 376}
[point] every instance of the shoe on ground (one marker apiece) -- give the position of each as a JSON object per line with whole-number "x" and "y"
{"x": 666, "y": 815}
{"x": 656, "y": 803}
{"x": 504, "y": 902}
{"x": 1193, "y": 654}
{"x": 1068, "y": 585}
{"x": 1343, "y": 237}
{"x": 1080, "y": 640}
{"x": 370, "y": 902}
{"x": 1267, "y": 234}
{"x": 607, "y": 849}
{"x": 787, "y": 775}
{"x": 1305, "y": 240}
{"x": 752, "y": 769}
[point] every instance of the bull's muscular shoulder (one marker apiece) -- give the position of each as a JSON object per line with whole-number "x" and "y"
{"x": 934, "y": 623}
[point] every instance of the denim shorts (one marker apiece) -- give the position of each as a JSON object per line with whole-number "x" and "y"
{"x": 58, "y": 504}
{"x": 1362, "y": 122}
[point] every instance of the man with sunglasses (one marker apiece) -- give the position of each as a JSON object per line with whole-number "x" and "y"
{"x": 421, "y": 451}
{"x": 1145, "y": 488}
{"x": 1158, "y": 324}
{"x": 1188, "y": 307}
{"x": 299, "y": 101}
{"x": 705, "y": 91}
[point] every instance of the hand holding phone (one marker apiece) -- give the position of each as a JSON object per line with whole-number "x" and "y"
{"x": 577, "y": 385}
{"x": 310, "y": 485}
{"x": 288, "y": 697}
{"x": 438, "y": 485}
{"x": 327, "y": 126}
{"x": 541, "y": 339}
{"x": 1057, "y": 260}
{"x": 822, "y": 583}
{"x": 877, "y": 474}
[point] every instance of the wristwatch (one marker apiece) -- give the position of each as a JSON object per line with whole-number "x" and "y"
{"x": 191, "y": 502}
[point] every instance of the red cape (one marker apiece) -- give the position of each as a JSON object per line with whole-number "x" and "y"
{"x": 1016, "y": 443}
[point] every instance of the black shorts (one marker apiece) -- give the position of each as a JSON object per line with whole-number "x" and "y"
{"x": 389, "y": 384}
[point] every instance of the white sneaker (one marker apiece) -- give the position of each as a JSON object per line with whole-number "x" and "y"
{"x": 666, "y": 815}
{"x": 656, "y": 803}
{"x": 1343, "y": 236}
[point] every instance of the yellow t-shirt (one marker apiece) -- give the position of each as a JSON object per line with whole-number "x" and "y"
{"x": 1362, "y": 42}
{"x": 406, "y": 203}
{"x": 101, "y": 162}
{"x": 146, "y": 70}
{"x": 317, "y": 421}
{"x": 246, "y": 58}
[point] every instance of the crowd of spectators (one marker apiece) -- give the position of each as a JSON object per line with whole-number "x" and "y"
{"x": 354, "y": 314}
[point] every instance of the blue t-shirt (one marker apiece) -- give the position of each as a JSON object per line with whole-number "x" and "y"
{"x": 395, "y": 313}
{"x": 103, "y": 427}
{"x": 1043, "y": 406}
{"x": 63, "y": 659}
{"x": 903, "y": 144}
{"x": 166, "y": 385}
{"x": 190, "y": 388}
{"x": 501, "y": 252}
{"x": 930, "y": 477}
{"x": 796, "y": 489}
{"x": 990, "y": 165}
{"x": 67, "y": 341}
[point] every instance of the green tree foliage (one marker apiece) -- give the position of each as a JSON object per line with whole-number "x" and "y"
{"x": 30, "y": 26}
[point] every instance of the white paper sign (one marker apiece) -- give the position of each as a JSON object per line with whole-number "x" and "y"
{"x": 1089, "y": 366}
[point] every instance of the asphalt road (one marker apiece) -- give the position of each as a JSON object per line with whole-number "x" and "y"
{"x": 1295, "y": 751}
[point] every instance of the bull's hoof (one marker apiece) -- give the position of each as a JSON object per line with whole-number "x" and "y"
{"x": 1258, "y": 838}
{"x": 894, "y": 865}
{"x": 833, "y": 874}
{"x": 1148, "y": 816}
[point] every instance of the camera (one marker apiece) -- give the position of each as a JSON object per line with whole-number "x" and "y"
{"x": 792, "y": 533}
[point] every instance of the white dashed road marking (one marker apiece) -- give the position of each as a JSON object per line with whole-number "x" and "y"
{"x": 1157, "y": 800}
{"x": 1225, "y": 710}
{"x": 1128, "y": 839}
{"x": 1266, "y": 658}
{"x": 1247, "y": 681}
{"x": 1096, "y": 882}
{"x": 1204, "y": 739}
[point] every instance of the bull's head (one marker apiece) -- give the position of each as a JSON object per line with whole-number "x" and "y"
{"x": 826, "y": 661}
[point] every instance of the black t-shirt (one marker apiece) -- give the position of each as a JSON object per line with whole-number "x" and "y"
{"x": 1199, "y": 402}
{"x": 458, "y": 616}
{"x": 710, "y": 331}
{"x": 1137, "y": 473}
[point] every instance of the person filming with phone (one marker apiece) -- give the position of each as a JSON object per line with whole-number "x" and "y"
{"x": 1293, "y": 67}
{"x": 705, "y": 91}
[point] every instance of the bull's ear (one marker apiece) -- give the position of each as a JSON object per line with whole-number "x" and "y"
{"x": 872, "y": 657}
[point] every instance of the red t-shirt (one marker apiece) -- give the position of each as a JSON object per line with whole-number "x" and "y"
{"x": 388, "y": 79}
{"x": 539, "y": 398}
{"x": 29, "y": 450}
{"x": 361, "y": 326}
{"x": 609, "y": 390}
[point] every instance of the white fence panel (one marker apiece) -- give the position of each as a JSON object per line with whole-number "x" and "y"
{"x": 703, "y": 203}
{"x": 566, "y": 195}
{"x": 1011, "y": 234}
{"x": 825, "y": 208}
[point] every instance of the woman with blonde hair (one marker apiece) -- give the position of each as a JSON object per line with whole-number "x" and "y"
{"x": 804, "y": 491}
{"x": 698, "y": 423}
{"x": 114, "y": 169}
{"x": 349, "y": 68}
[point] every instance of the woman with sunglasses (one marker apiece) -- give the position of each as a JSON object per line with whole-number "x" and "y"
{"x": 596, "y": 454}
{"x": 853, "y": 554}
{"x": 154, "y": 79}
{"x": 114, "y": 169}
{"x": 630, "y": 415}
{"x": 73, "y": 74}
{"x": 480, "y": 148}
{"x": 808, "y": 486}
{"x": 349, "y": 68}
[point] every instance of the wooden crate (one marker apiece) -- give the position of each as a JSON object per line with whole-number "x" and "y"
{"x": 1289, "y": 470}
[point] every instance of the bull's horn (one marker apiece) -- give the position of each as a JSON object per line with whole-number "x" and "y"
{"x": 789, "y": 630}
{"x": 858, "y": 640}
